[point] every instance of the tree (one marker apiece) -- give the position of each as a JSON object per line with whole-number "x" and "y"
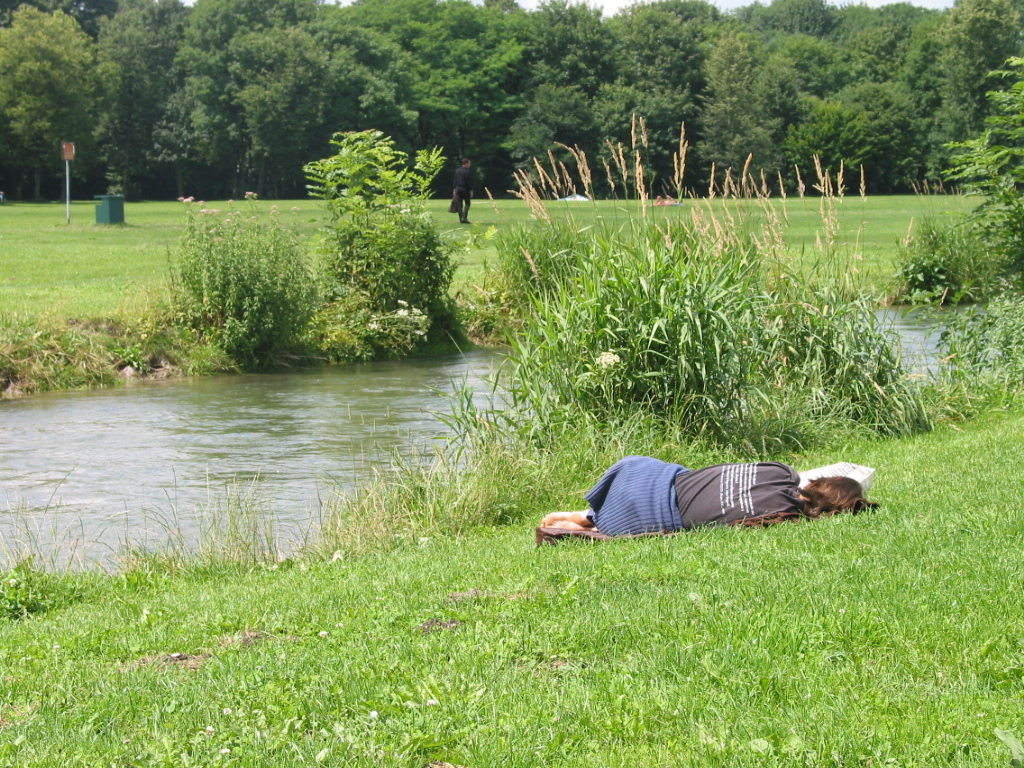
{"x": 977, "y": 37}
{"x": 140, "y": 42}
{"x": 50, "y": 89}
{"x": 895, "y": 156}
{"x": 88, "y": 13}
{"x": 817, "y": 63}
{"x": 835, "y": 134}
{"x": 464, "y": 64}
{"x": 748, "y": 109}
{"x": 277, "y": 76}
{"x": 801, "y": 17}
{"x": 991, "y": 167}
{"x": 554, "y": 113}
{"x": 567, "y": 45}
{"x": 234, "y": 53}
{"x": 368, "y": 80}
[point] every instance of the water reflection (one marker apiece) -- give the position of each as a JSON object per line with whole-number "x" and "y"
{"x": 918, "y": 331}
{"x": 108, "y": 465}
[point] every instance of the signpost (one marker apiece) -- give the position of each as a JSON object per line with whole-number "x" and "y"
{"x": 67, "y": 153}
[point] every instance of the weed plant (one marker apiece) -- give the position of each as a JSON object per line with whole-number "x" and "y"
{"x": 388, "y": 264}
{"x": 243, "y": 282}
{"x": 986, "y": 346}
{"x": 946, "y": 263}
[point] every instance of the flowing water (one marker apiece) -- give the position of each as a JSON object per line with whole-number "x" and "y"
{"x": 918, "y": 333}
{"x": 85, "y": 473}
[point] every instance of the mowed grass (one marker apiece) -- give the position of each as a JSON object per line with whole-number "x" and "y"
{"x": 89, "y": 270}
{"x": 892, "y": 638}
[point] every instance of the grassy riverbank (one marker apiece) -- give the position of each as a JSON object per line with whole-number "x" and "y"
{"x": 81, "y": 303}
{"x": 87, "y": 271}
{"x": 890, "y": 638}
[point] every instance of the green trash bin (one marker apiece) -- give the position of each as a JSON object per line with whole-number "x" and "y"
{"x": 110, "y": 210}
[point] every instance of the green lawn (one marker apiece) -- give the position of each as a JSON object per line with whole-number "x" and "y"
{"x": 84, "y": 269}
{"x": 893, "y": 638}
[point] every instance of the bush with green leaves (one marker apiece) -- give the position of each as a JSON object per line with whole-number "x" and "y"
{"x": 391, "y": 257}
{"x": 991, "y": 167}
{"x": 382, "y": 251}
{"x": 242, "y": 280}
{"x": 946, "y": 263}
{"x": 349, "y": 330}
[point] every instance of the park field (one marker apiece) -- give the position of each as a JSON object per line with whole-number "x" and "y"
{"x": 892, "y": 638}
{"x": 89, "y": 270}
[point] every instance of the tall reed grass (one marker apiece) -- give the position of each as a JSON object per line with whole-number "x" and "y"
{"x": 705, "y": 333}
{"x": 700, "y": 320}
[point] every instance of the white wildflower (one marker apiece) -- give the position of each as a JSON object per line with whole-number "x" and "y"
{"x": 323, "y": 633}
{"x": 402, "y": 313}
{"x": 608, "y": 360}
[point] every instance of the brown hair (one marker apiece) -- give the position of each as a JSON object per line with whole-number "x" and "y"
{"x": 830, "y": 495}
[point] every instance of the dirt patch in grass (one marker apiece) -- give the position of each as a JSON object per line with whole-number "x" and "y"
{"x": 436, "y": 625}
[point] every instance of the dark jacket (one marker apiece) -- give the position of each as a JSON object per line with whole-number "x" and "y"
{"x": 463, "y": 181}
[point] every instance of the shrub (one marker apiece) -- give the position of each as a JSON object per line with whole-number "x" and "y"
{"x": 391, "y": 257}
{"x": 348, "y": 329}
{"x": 383, "y": 252}
{"x": 991, "y": 167}
{"x": 243, "y": 281}
{"x": 946, "y": 264}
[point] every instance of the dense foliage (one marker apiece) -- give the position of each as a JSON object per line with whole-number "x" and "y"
{"x": 387, "y": 267}
{"x": 244, "y": 283}
{"x": 946, "y": 262}
{"x": 165, "y": 99}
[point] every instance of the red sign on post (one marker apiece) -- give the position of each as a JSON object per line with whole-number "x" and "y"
{"x": 67, "y": 150}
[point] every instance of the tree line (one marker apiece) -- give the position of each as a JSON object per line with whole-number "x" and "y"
{"x": 229, "y": 96}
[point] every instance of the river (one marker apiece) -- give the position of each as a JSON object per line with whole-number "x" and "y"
{"x": 87, "y": 472}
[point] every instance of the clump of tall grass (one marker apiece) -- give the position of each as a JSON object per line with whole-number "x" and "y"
{"x": 988, "y": 344}
{"x": 705, "y": 334}
{"x": 698, "y": 320}
{"x": 946, "y": 263}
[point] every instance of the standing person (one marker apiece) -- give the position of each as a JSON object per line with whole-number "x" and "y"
{"x": 462, "y": 189}
{"x": 644, "y": 495}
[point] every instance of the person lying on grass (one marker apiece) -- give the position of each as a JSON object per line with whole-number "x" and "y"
{"x": 643, "y": 495}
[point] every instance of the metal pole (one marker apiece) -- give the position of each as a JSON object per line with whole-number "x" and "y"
{"x": 67, "y": 186}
